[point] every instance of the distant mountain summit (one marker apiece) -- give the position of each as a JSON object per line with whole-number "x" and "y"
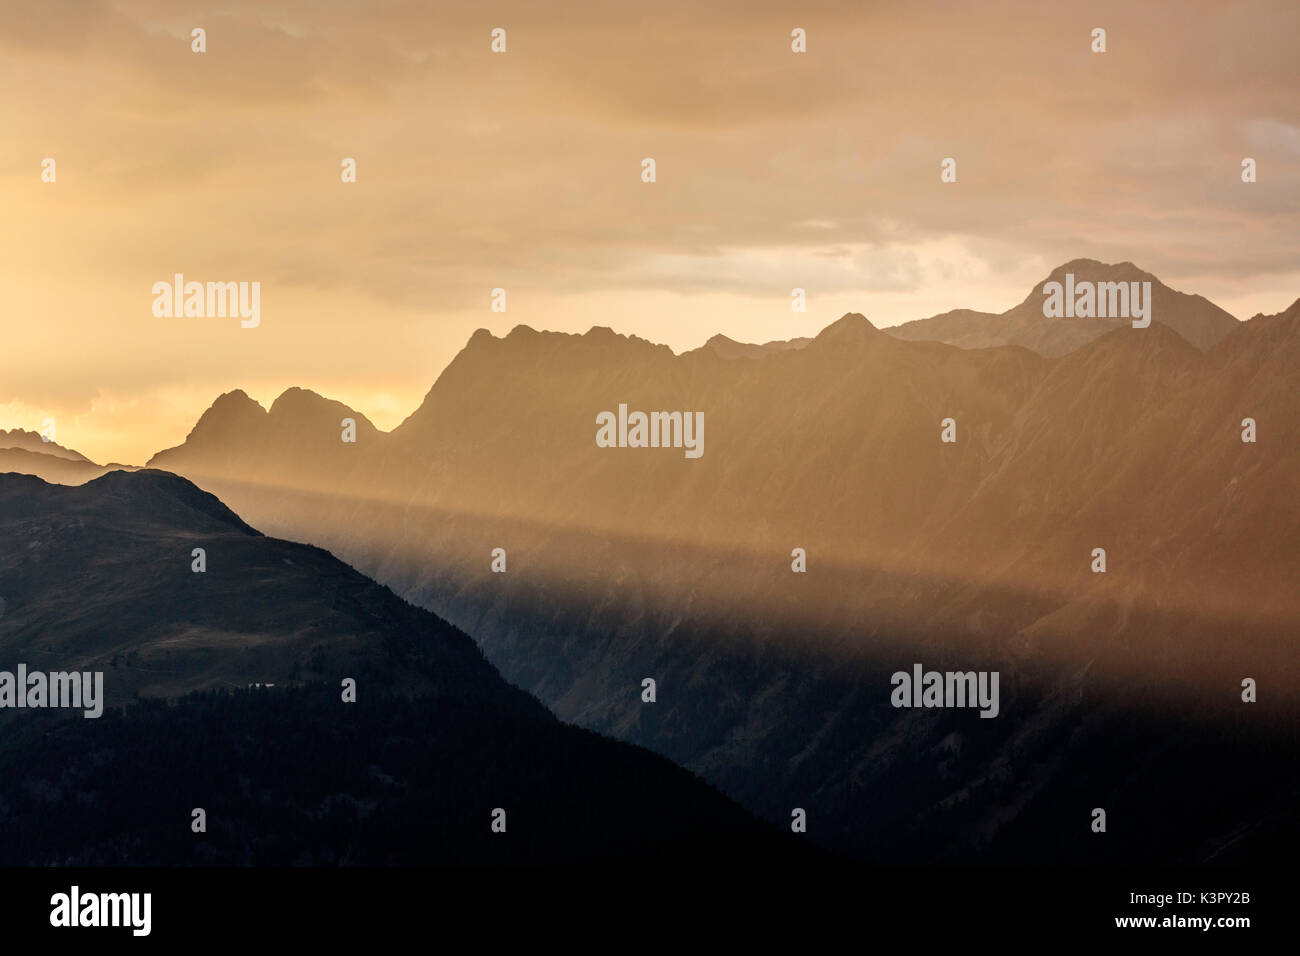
{"x": 1195, "y": 318}
{"x": 230, "y": 412}
{"x": 27, "y": 453}
{"x": 728, "y": 348}
{"x": 852, "y": 328}
{"x": 56, "y": 468}
{"x": 33, "y": 442}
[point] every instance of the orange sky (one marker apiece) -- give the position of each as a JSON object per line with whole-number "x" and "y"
{"x": 522, "y": 171}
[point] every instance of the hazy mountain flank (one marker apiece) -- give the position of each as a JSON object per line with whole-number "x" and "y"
{"x": 27, "y": 453}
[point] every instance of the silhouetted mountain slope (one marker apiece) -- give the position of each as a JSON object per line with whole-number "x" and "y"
{"x": 54, "y": 468}
{"x": 631, "y": 563}
{"x": 27, "y": 453}
{"x": 33, "y": 442}
{"x": 1196, "y": 319}
{"x": 98, "y": 577}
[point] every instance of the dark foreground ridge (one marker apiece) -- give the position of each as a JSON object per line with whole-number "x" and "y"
{"x": 99, "y": 577}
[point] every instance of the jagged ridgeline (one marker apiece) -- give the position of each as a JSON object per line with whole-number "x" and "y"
{"x": 411, "y": 768}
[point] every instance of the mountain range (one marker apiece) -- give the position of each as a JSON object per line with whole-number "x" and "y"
{"x": 1122, "y": 687}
